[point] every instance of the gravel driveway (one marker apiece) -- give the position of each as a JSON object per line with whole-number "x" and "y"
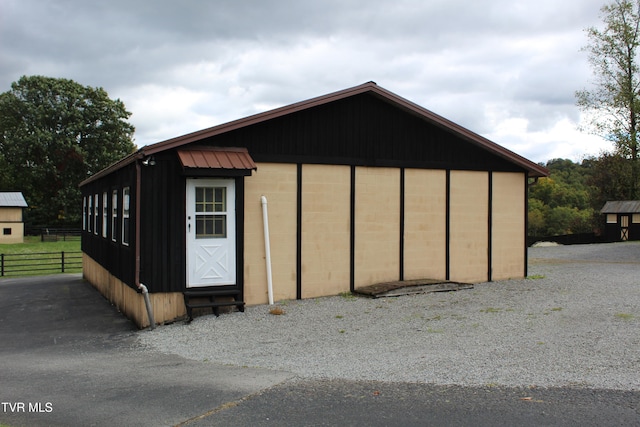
{"x": 574, "y": 322}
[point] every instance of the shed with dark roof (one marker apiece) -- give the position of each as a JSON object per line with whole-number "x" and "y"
{"x": 362, "y": 186}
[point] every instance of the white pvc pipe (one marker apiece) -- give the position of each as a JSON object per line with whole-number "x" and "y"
{"x": 267, "y": 248}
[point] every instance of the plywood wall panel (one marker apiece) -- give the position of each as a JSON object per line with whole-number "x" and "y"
{"x": 326, "y": 195}
{"x": 508, "y": 225}
{"x": 425, "y": 224}
{"x": 469, "y": 226}
{"x": 278, "y": 182}
{"x": 377, "y": 225}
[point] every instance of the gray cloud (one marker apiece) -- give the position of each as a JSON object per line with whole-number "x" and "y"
{"x": 178, "y": 65}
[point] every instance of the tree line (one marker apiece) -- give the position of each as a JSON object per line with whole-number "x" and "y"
{"x": 570, "y": 199}
{"x": 54, "y": 133}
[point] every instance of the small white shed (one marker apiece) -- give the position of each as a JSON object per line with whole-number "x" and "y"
{"x": 12, "y": 228}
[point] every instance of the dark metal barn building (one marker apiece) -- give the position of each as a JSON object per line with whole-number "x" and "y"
{"x": 622, "y": 220}
{"x": 362, "y": 186}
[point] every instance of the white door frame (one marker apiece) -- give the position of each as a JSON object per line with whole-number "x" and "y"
{"x": 211, "y": 232}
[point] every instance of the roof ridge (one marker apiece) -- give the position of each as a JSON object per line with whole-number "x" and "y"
{"x": 533, "y": 168}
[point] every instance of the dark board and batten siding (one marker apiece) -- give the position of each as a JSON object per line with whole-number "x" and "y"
{"x": 162, "y": 259}
{"x": 363, "y": 131}
{"x": 162, "y": 225}
{"x": 114, "y": 256}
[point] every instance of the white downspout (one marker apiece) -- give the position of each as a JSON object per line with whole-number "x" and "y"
{"x": 267, "y": 248}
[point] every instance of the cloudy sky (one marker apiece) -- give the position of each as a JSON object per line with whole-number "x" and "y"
{"x": 506, "y": 69}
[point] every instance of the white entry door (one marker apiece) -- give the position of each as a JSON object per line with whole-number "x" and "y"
{"x": 211, "y": 232}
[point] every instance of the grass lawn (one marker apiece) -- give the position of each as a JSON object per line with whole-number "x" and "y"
{"x": 33, "y": 244}
{"x": 34, "y": 257}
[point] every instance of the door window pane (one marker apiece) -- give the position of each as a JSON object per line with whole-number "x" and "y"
{"x": 208, "y": 201}
{"x": 211, "y": 199}
{"x": 208, "y": 226}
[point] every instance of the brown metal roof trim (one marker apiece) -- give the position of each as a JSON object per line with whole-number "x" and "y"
{"x": 534, "y": 169}
{"x": 216, "y": 158}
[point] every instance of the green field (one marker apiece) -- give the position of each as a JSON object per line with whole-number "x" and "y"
{"x": 34, "y": 244}
{"x": 34, "y": 257}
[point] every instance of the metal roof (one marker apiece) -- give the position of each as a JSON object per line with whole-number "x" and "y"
{"x": 12, "y": 199}
{"x": 216, "y": 158}
{"x": 621, "y": 206}
{"x": 534, "y": 169}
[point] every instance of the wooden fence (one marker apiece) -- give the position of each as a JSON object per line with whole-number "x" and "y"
{"x": 33, "y": 264}
{"x": 59, "y": 234}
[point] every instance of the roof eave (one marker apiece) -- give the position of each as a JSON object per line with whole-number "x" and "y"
{"x": 140, "y": 154}
{"x": 533, "y": 169}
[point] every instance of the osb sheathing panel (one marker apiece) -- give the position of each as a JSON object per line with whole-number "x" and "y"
{"x": 469, "y": 226}
{"x": 167, "y": 307}
{"x": 377, "y": 225}
{"x": 278, "y": 183}
{"x": 508, "y": 226}
{"x": 425, "y": 214}
{"x": 326, "y": 193}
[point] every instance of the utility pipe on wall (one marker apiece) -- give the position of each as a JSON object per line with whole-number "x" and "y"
{"x": 142, "y": 288}
{"x": 147, "y": 303}
{"x": 267, "y": 247}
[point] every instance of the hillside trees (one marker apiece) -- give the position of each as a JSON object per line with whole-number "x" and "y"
{"x": 563, "y": 203}
{"x": 53, "y": 134}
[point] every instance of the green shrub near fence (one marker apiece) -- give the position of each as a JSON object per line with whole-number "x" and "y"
{"x": 34, "y": 257}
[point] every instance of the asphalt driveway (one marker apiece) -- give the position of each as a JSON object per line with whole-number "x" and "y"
{"x": 70, "y": 359}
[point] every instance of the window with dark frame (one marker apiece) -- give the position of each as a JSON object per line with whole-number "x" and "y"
{"x": 95, "y": 214}
{"x": 105, "y": 214}
{"x": 90, "y": 218}
{"x": 114, "y": 216}
{"x": 125, "y": 215}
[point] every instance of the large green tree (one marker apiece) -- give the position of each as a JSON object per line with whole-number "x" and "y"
{"x": 53, "y": 134}
{"x": 613, "y": 104}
